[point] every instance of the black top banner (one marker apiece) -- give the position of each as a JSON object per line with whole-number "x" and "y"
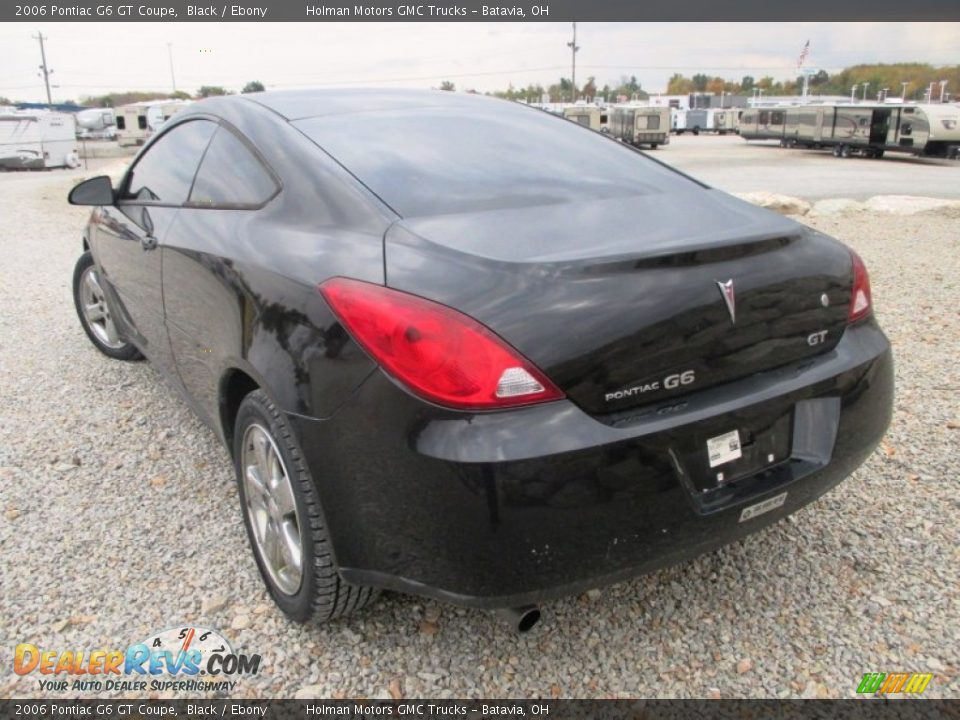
{"x": 478, "y": 11}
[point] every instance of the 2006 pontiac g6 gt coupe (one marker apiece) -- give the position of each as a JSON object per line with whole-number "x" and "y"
{"x": 460, "y": 348}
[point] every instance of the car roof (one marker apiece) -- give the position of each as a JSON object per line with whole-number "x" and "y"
{"x": 301, "y": 104}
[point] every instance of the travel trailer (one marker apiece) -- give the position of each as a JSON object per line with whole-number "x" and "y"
{"x": 96, "y": 124}
{"x": 37, "y": 139}
{"x": 641, "y": 125}
{"x": 694, "y": 121}
{"x": 591, "y": 116}
{"x": 763, "y": 123}
{"x": 138, "y": 121}
{"x": 722, "y": 120}
{"x": 931, "y": 130}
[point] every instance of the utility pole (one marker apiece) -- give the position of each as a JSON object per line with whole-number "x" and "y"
{"x": 853, "y": 93}
{"x": 943, "y": 87}
{"x": 573, "y": 53}
{"x": 903, "y": 93}
{"x": 44, "y": 72}
{"x": 173, "y": 80}
{"x": 865, "y": 86}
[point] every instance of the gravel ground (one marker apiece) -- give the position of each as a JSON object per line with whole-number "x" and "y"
{"x": 120, "y": 518}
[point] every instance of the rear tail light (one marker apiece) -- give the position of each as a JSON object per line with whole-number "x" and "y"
{"x": 439, "y": 353}
{"x": 861, "y": 300}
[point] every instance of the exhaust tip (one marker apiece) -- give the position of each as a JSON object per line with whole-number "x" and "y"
{"x": 528, "y": 620}
{"x": 522, "y": 619}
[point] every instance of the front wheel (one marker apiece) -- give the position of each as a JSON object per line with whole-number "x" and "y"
{"x": 95, "y": 314}
{"x": 284, "y": 521}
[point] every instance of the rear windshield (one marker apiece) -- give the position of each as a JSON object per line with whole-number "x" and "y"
{"x": 481, "y": 155}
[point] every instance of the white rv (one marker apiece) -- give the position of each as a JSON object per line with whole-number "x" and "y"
{"x": 590, "y": 116}
{"x": 96, "y": 124}
{"x": 138, "y": 121}
{"x": 38, "y": 139}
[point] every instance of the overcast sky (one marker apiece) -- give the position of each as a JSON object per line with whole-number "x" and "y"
{"x": 95, "y": 58}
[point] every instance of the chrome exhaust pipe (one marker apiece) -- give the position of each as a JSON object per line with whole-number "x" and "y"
{"x": 522, "y": 618}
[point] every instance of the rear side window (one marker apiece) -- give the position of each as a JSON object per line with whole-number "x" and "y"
{"x": 163, "y": 174}
{"x": 230, "y": 175}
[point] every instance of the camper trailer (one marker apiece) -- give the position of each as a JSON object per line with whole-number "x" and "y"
{"x": 693, "y": 121}
{"x": 641, "y": 125}
{"x": 96, "y": 124}
{"x": 586, "y": 115}
{"x": 37, "y": 139}
{"x": 138, "y": 121}
{"x": 867, "y": 130}
{"x": 594, "y": 117}
{"x": 763, "y": 123}
{"x": 722, "y": 120}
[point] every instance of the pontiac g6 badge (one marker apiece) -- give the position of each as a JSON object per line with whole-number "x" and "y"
{"x": 726, "y": 289}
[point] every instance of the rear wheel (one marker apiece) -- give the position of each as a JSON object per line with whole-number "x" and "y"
{"x": 844, "y": 151}
{"x": 95, "y": 314}
{"x": 284, "y": 521}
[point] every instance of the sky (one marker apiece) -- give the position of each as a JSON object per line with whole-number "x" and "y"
{"x": 96, "y": 58}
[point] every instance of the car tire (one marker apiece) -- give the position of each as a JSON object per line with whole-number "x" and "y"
{"x": 95, "y": 313}
{"x": 313, "y": 592}
{"x": 845, "y": 151}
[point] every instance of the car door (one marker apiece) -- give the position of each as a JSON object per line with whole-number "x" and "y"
{"x": 131, "y": 232}
{"x": 204, "y": 285}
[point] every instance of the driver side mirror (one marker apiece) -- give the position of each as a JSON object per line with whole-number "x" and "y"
{"x": 95, "y": 191}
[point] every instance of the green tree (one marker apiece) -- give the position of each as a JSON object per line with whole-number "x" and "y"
{"x": 589, "y": 89}
{"x": 679, "y": 85}
{"x": 448, "y": 86}
{"x": 211, "y": 90}
{"x": 252, "y": 87}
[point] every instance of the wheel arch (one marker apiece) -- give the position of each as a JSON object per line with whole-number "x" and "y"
{"x": 235, "y": 384}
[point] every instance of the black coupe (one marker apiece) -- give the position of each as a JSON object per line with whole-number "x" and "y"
{"x": 461, "y": 348}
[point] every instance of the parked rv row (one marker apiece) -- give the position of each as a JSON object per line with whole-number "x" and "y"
{"x": 651, "y": 125}
{"x": 41, "y": 139}
{"x": 867, "y": 130}
{"x": 634, "y": 124}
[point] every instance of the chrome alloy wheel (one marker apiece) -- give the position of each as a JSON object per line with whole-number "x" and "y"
{"x": 96, "y": 312}
{"x": 272, "y": 509}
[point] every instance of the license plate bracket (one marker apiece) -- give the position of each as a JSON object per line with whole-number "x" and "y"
{"x": 744, "y": 447}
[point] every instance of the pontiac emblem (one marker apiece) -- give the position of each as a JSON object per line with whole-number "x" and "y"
{"x": 726, "y": 289}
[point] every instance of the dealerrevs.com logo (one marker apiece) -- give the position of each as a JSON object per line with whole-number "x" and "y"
{"x": 185, "y": 658}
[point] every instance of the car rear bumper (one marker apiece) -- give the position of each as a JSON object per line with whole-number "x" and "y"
{"x": 522, "y": 506}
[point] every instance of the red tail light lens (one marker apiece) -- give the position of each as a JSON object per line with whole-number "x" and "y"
{"x": 860, "y": 301}
{"x": 439, "y": 353}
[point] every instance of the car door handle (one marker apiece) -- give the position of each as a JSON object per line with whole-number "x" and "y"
{"x": 148, "y": 242}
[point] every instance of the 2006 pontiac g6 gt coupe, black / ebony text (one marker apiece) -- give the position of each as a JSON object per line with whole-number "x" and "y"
{"x": 461, "y": 348}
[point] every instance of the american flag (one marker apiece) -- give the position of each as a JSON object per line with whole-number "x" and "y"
{"x": 803, "y": 54}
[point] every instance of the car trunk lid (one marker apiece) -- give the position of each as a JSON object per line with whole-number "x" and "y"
{"x": 636, "y": 300}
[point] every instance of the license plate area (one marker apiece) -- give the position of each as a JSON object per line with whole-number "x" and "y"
{"x": 711, "y": 460}
{"x": 799, "y": 435}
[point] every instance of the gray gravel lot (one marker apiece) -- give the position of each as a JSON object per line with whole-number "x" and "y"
{"x": 120, "y": 517}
